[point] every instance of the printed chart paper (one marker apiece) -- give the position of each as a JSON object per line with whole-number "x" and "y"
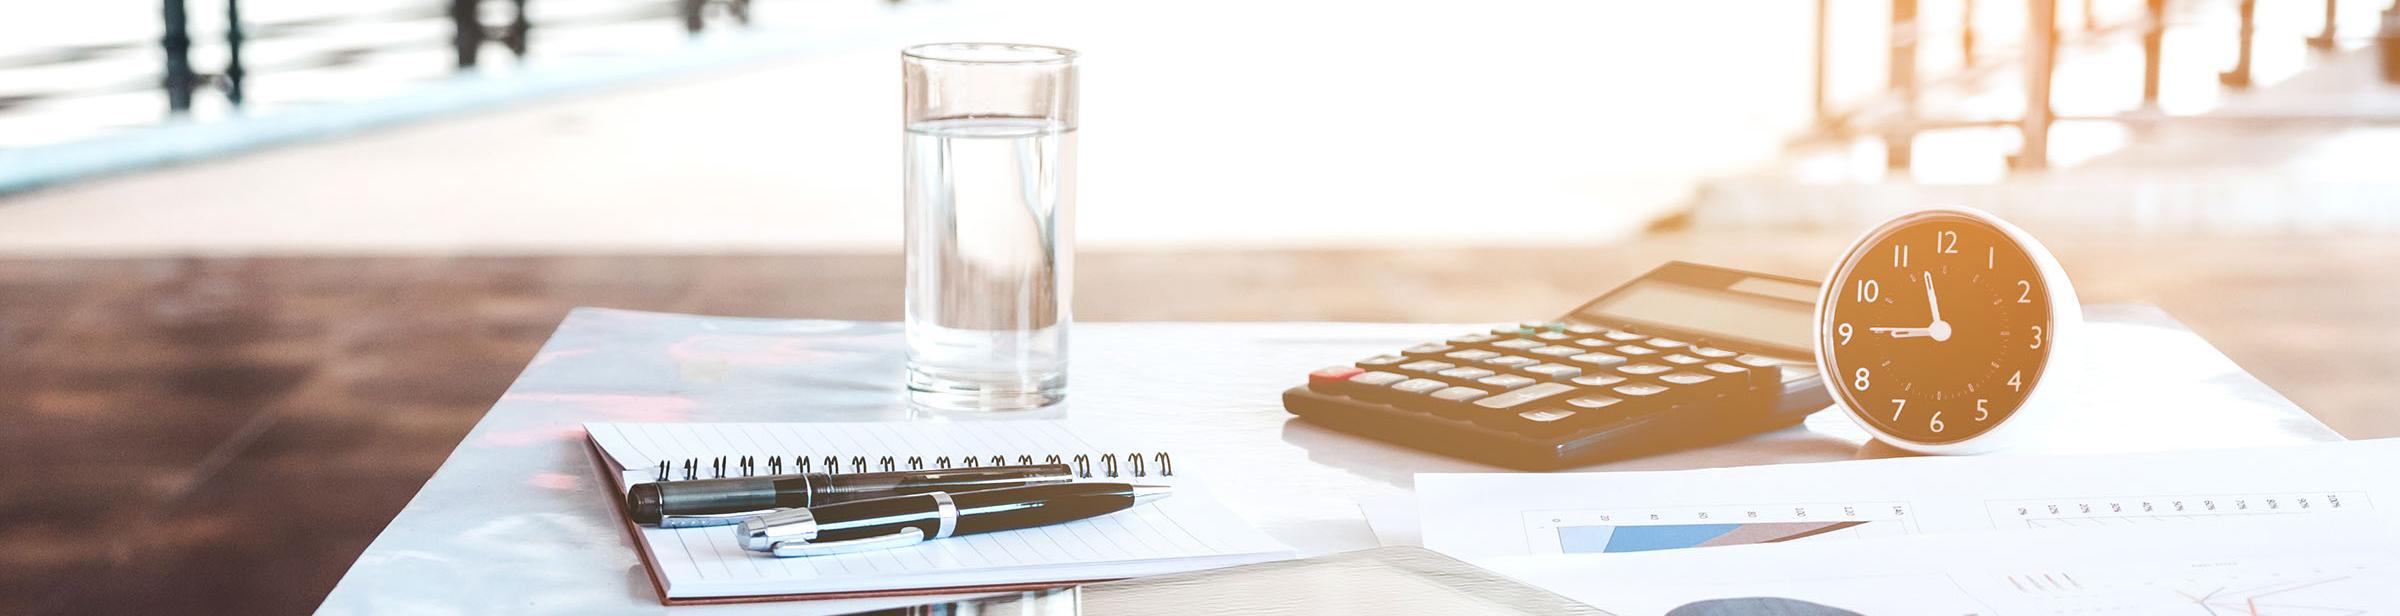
{"x": 2252, "y": 565}
{"x": 1473, "y": 515}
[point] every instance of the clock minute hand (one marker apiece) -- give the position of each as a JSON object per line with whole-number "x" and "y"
{"x": 1932, "y": 303}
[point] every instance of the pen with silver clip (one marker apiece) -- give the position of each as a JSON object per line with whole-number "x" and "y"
{"x": 719, "y": 502}
{"x": 901, "y": 521}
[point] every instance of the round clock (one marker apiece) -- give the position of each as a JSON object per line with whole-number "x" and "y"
{"x": 1947, "y": 331}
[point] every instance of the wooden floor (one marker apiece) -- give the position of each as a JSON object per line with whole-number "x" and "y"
{"x": 226, "y": 435}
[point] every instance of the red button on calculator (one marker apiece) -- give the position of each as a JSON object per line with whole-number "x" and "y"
{"x": 1334, "y": 374}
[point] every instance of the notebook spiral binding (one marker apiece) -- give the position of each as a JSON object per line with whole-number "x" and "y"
{"x": 1135, "y": 464}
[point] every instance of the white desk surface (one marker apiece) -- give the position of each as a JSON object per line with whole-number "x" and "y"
{"x": 518, "y": 519}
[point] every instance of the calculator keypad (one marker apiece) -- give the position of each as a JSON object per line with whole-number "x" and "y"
{"x": 1550, "y": 380}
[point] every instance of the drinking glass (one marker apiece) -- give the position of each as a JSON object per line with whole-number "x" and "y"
{"x": 991, "y": 223}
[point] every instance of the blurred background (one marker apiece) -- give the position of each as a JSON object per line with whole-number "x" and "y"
{"x": 263, "y": 263}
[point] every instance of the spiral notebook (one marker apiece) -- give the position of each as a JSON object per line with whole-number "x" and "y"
{"x": 1189, "y": 531}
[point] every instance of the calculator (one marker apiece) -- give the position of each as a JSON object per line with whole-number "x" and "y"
{"x": 1686, "y": 355}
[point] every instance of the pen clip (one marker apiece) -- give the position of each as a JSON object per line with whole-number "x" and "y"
{"x": 702, "y": 520}
{"x": 904, "y": 538}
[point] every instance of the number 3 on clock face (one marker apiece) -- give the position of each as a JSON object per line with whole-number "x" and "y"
{"x": 1939, "y": 327}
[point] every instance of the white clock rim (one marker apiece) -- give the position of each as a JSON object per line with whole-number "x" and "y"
{"x": 2059, "y": 374}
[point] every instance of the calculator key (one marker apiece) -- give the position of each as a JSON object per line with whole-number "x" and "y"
{"x": 1505, "y": 381}
{"x": 1459, "y": 394}
{"x": 1597, "y": 380}
{"x": 1511, "y": 331}
{"x": 1472, "y": 355}
{"x": 1712, "y": 352}
{"x": 1557, "y": 351}
{"x": 1546, "y": 416}
{"x": 1511, "y": 361}
{"x": 1453, "y": 401}
{"x": 1554, "y": 336}
{"x": 1334, "y": 374}
{"x": 1544, "y": 325}
{"x": 1693, "y": 387}
{"x": 1633, "y": 351}
{"x": 1739, "y": 374}
{"x": 1381, "y": 361}
{"x": 1686, "y": 378}
{"x": 1697, "y": 387}
{"x": 1622, "y": 336}
{"x": 1639, "y": 391}
{"x": 1664, "y": 343}
{"x": 1597, "y": 360}
{"x": 1369, "y": 383}
{"x": 1593, "y": 402}
{"x": 1464, "y": 375}
{"x": 1762, "y": 369}
{"x": 1428, "y": 349}
{"x": 1473, "y": 339}
{"x": 1426, "y": 366}
{"x": 1579, "y": 328}
{"x": 1524, "y": 396}
{"x": 1541, "y": 423}
{"x": 1683, "y": 360}
{"x": 1554, "y": 372}
{"x": 1641, "y": 369}
{"x": 1517, "y": 344}
{"x": 1596, "y": 343}
{"x": 1409, "y": 394}
{"x": 1420, "y": 386}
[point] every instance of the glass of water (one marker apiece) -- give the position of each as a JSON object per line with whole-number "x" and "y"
{"x": 991, "y": 223}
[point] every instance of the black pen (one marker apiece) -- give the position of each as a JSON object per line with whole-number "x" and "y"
{"x": 900, "y": 521}
{"x": 716, "y": 502}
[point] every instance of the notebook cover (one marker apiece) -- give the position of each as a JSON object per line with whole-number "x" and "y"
{"x": 658, "y": 584}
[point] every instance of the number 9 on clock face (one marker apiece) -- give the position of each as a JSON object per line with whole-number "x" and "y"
{"x": 1940, "y": 327}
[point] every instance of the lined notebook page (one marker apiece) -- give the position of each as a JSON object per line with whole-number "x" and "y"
{"x": 1187, "y": 531}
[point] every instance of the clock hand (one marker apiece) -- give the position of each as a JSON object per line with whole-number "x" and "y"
{"x": 1932, "y": 303}
{"x": 1906, "y": 332}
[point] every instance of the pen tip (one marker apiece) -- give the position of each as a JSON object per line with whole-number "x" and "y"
{"x": 1144, "y": 494}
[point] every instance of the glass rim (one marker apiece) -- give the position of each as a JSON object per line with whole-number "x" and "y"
{"x": 1034, "y": 54}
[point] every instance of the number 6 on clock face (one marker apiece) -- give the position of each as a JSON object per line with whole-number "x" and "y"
{"x": 1954, "y": 318}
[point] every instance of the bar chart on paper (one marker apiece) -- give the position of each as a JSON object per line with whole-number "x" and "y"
{"x": 1585, "y": 531}
{"x": 2112, "y": 511}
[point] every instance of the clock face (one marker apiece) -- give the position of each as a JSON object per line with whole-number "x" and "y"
{"x": 1936, "y": 328}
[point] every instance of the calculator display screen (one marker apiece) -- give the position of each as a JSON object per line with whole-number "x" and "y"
{"x": 1709, "y": 311}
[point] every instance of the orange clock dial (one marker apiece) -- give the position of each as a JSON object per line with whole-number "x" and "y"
{"x": 1935, "y": 330}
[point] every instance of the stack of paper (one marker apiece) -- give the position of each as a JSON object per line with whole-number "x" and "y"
{"x": 2306, "y": 530}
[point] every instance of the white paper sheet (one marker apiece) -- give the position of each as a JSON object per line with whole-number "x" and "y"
{"x": 2254, "y": 565}
{"x": 1393, "y": 519}
{"x": 1472, "y": 515}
